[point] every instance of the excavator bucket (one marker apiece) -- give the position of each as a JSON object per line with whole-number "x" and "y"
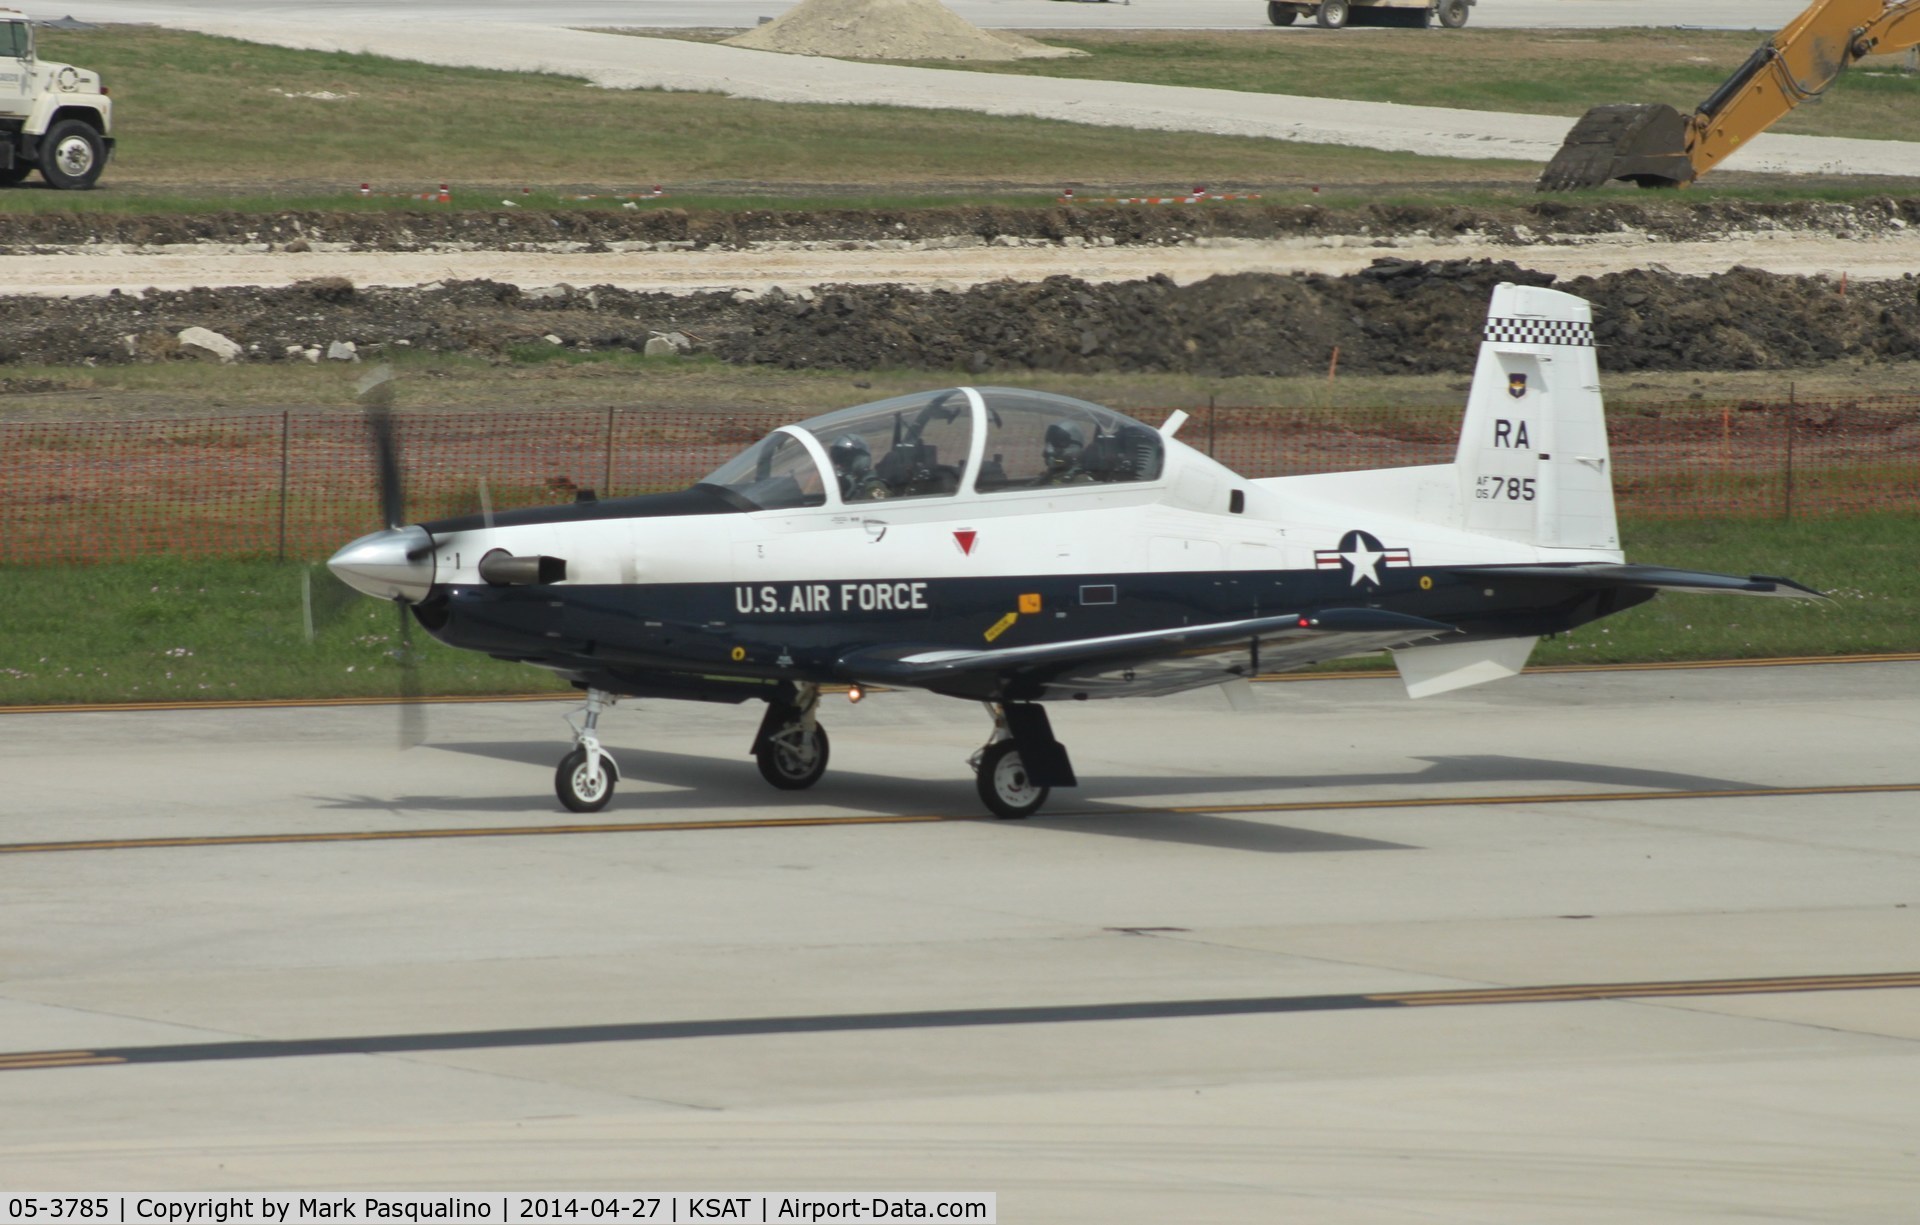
{"x": 1646, "y": 144}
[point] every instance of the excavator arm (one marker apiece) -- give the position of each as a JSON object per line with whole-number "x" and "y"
{"x": 1654, "y": 145}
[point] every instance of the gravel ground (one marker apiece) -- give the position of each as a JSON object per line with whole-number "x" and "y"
{"x": 671, "y": 251}
{"x": 765, "y": 267}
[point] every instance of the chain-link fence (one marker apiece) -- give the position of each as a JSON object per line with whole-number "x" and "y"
{"x": 298, "y": 485}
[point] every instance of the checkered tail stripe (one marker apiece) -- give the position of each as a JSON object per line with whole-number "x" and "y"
{"x": 1539, "y": 332}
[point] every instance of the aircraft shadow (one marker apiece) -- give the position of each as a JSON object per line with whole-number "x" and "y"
{"x": 1100, "y": 806}
{"x": 732, "y": 776}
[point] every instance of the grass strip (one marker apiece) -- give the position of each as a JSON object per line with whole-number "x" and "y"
{"x": 545, "y": 376}
{"x": 406, "y": 127}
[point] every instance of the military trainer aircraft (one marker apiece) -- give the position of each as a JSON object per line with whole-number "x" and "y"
{"x": 1016, "y": 548}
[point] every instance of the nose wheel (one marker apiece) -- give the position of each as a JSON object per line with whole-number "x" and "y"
{"x": 585, "y": 778}
{"x": 584, "y": 785}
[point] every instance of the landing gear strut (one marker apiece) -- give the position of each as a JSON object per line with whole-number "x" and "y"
{"x": 791, "y": 749}
{"x": 584, "y": 782}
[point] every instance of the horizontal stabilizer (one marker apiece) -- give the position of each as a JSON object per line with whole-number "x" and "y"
{"x": 1655, "y": 578}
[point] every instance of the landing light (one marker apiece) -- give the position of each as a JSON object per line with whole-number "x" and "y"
{"x": 855, "y": 693}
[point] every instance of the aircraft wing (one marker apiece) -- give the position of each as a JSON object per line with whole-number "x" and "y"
{"x": 1658, "y": 578}
{"x": 1148, "y": 663}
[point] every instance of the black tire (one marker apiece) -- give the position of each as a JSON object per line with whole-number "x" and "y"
{"x": 1281, "y": 14}
{"x": 790, "y": 769}
{"x": 1003, "y": 784}
{"x": 72, "y": 156}
{"x": 1453, "y": 13}
{"x": 570, "y": 782}
{"x": 1333, "y": 14}
{"x": 15, "y": 174}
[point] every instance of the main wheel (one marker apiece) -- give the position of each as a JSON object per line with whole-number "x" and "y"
{"x": 1281, "y": 14}
{"x": 791, "y": 762}
{"x": 1453, "y": 13}
{"x": 1332, "y": 14}
{"x": 576, "y": 786}
{"x": 1003, "y": 783}
{"x": 71, "y": 156}
{"x": 15, "y": 174}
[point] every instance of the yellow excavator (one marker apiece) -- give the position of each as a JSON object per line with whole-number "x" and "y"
{"x": 1656, "y": 146}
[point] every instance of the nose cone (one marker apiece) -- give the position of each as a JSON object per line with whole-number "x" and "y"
{"x": 396, "y": 564}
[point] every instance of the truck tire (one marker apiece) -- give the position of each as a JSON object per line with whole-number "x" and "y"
{"x": 1332, "y": 15}
{"x": 1281, "y": 14}
{"x": 71, "y": 155}
{"x": 1453, "y": 13}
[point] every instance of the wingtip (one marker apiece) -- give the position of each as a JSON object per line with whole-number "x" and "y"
{"x": 1789, "y": 588}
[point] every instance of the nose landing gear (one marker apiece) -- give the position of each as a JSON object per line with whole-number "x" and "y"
{"x": 584, "y": 782}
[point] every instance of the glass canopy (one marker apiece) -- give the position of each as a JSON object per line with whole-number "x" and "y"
{"x": 926, "y": 445}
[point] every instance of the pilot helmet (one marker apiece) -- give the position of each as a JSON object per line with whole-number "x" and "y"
{"x": 850, "y": 453}
{"x": 1063, "y": 446}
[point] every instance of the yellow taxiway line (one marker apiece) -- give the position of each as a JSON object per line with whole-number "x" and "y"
{"x": 1572, "y": 797}
{"x": 1654, "y": 990}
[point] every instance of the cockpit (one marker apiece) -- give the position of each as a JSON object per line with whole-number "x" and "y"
{"x": 933, "y": 444}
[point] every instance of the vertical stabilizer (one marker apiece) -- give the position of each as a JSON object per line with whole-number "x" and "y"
{"x": 1533, "y": 460}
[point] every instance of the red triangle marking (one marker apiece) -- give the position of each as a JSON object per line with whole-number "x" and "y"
{"x": 965, "y": 537}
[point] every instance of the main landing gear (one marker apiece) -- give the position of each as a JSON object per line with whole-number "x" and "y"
{"x": 584, "y": 782}
{"x": 1021, "y": 763}
{"x": 791, "y": 747}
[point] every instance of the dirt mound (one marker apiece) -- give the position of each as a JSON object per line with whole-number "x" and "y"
{"x": 888, "y": 30}
{"x": 1396, "y": 317}
{"x": 1544, "y": 221}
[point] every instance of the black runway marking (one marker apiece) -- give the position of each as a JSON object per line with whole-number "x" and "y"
{"x": 953, "y": 1018}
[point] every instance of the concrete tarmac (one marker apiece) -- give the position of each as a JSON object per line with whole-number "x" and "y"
{"x": 1257, "y": 968}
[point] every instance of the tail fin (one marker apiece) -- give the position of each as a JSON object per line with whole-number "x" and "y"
{"x": 1533, "y": 460}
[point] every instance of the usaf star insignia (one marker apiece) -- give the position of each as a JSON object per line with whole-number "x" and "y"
{"x": 1361, "y": 555}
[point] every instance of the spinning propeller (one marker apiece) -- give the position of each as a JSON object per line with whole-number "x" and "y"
{"x": 395, "y": 563}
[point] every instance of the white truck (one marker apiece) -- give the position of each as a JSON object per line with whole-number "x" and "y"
{"x": 54, "y": 118}
{"x": 1334, "y": 14}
